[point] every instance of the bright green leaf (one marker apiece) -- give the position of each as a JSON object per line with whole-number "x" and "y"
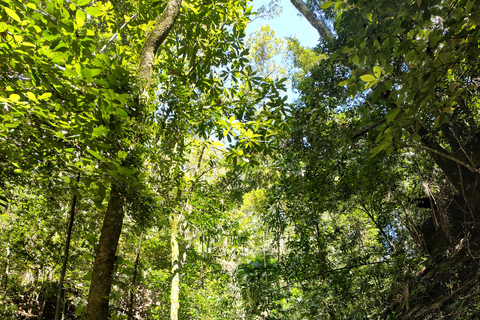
{"x": 122, "y": 154}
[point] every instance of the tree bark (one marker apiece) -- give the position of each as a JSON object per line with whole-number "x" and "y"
{"x": 175, "y": 289}
{"x": 7, "y": 258}
{"x": 316, "y": 22}
{"x": 65, "y": 255}
{"x": 134, "y": 281}
{"x": 102, "y": 273}
{"x": 155, "y": 40}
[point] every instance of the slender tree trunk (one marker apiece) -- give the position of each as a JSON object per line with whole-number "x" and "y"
{"x": 7, "y": 258}
{"x": 65, "y": 255}
{"x": 133, "y": 289}
{"x": 175, "y": 289}
{"x": 102, "y": 273}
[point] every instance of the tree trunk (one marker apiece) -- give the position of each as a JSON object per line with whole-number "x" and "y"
{"x": 134, "y": 281}
{"x": 65, "y": 255}
{"x": 102, "y": 273}
{"x": 7, "y": 258}
{"x": 466, "y": 181}
{"x": 175, "y": 289}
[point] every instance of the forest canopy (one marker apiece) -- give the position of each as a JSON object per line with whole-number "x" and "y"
{"x": 153, "y": 167}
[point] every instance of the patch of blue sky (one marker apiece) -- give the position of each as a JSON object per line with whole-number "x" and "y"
{"x": 289, "y": 23}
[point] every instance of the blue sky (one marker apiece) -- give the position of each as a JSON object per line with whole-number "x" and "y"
{"x": 289, "y": 23}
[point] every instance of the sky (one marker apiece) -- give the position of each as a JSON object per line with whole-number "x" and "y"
{"x": 289, "y": 23}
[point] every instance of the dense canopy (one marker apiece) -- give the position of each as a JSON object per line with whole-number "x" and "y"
{"x": 153, "y": 167}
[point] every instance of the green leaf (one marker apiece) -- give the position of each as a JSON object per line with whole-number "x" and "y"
{"x": 91, "y": 239}
{"x": 101, "y": 191}
{"x": 45, "y": 96}
{"x": 83, "y": 2}
{"x": 88, "y": 276}
{"x": 327, "y": 4}
{"x": 95, "y": 154}
{"x": 3, "y": 26}
{"x": 122, "y": 154}
{"x": 368, "y": 77}
{"x": 13, "y": 14}
{"x": 94, "y": 11}
{"x": 392, "y": 114}
{"x": 80, "y": 18}
{"x": 80, "y": 309}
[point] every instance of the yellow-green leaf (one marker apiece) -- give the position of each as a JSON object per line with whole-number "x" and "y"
{"x": 31, "y": 96}
{"x": 45, "y": 96}
{"x": 14, "y": 97}
{"x": 3, "y": 26}
{"x": 368, "y": 77}
{"x": 13, "y": 14}
{"x": 80, "y": 18}
{"x": 94, "y": 11}
{"x": 327, "y": 4}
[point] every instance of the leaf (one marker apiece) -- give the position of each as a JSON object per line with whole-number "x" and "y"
{"x": 327, "y": 4}
{"x": 91, "y": 239}
{"x": 80, "y": 18}
{"x": 83, "y": 2}
{"x": 3, "y": 26}
{"x": 368, "y": 77}
{"x": 95, "y": 154}
{"x": 80, "y": 308}
{"x": 31, "y": 96}
{"x": 14, "y": 97}
{"x": 101, "y": 191}
{"x": 88, "y": 276}
{"x": 392, "y": 114}
{"x": 94, "y": 11}
{"x": 13, "y": 14}
{"x": 122, "y": 154}
{"x": 45, "y": 96}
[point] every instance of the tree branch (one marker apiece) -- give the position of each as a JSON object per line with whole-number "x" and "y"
{"x": 315, "y": 21}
